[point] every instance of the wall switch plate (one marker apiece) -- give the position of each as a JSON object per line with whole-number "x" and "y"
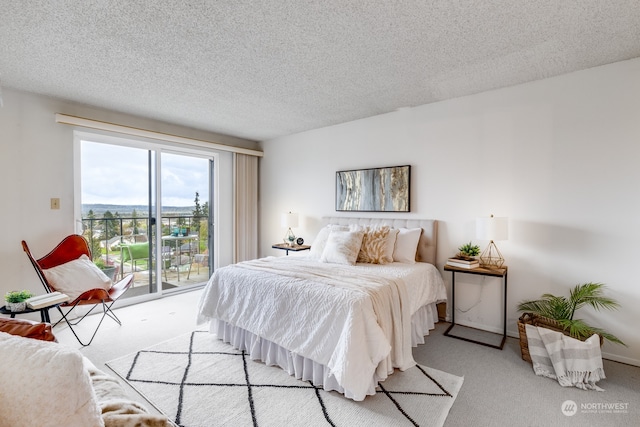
{"x": 55, "y": 203}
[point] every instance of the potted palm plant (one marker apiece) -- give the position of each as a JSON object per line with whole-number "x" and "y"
{"x": 16, "y": 300}
{"x": 562, "y": 310}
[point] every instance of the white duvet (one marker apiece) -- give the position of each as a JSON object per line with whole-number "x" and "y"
{"x": 356, "y": 320}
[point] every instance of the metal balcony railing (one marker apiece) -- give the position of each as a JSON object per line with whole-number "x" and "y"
{"x": 105, "y": 233}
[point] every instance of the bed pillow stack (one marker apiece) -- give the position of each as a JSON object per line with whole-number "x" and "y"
{"x": 407, "y": 245}
{"x": 341, "y": 244}
{"x": 375, "y": 246}
{"x": 321, "y": 240}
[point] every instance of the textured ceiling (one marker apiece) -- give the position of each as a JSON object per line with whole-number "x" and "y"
{"x": 262, "y": 69}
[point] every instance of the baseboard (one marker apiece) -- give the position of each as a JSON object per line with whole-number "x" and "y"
{"x": 621, "y": 359}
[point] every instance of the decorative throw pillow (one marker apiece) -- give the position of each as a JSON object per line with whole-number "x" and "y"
{"x": 77, "y": 276}
{"x": 342, "y": 247}
{"x": 317, "y": 247}
{"x": 374, "y": 244}
{"x": 407, "y": 245}
{"x": 390, "y": 246}
{"x": 44, "y": 384}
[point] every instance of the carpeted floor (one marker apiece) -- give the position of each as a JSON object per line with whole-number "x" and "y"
{"x": 500, "y": 389}
{"x": 198, "y": 380}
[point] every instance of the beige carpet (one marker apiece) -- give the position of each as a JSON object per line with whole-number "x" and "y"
{"x": 500, "y": 389}
{"x": 198, "y": 380}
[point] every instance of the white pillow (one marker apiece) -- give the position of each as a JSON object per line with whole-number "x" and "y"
{"x": 77, "y": 276}
{"x": 407, "y": 245}
{"x": 44, "y": 384}
{"x": 342, "y": 247}
{"x": 374, "y": 245}
{"x": 390, "y": 246}
{"x": 317, "y": 247}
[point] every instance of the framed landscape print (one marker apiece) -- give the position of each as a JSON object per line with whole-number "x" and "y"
{"x": 373, "y": 190}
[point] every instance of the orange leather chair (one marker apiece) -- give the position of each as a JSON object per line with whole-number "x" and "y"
{"x": 71, "y": 248}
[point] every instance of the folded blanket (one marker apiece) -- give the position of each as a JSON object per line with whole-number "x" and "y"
{"x": 118, "y": 410}
{"x": 572, "y": 362}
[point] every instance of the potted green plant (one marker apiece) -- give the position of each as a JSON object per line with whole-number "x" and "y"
{"x": 16, "y": 300}
{"x": 468, "y": 251}
{"x": 108, "y": 270}
{"x": 562, "y": 310}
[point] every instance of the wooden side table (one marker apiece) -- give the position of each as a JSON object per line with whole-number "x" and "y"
{"x": 482, "y": 271}
{"x": 287, "y": 248}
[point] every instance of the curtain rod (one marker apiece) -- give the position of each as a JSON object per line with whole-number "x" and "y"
{"x": 127, "y": 130}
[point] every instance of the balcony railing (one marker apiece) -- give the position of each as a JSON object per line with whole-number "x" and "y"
{"x": 105, "y": 233}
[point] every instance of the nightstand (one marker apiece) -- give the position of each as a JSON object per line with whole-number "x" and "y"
{"x": 296, "y": 248}
{"x": 482, "y": 271}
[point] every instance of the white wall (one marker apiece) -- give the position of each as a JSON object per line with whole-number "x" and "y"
{"x": 559, "y": 157}
{"x": 36, "y": 164}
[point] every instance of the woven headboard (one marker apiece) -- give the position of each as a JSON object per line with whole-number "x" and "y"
{"x": 427, "y": 244}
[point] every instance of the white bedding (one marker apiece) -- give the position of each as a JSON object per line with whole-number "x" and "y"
{"x": 355, "y": 320}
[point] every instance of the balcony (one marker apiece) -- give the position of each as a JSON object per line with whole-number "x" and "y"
{"x": 122, "y": 243}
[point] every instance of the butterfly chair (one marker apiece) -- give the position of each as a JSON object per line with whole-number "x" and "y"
{"x": 71, "y": 248}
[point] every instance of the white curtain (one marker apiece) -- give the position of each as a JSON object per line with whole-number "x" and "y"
{"x": 246, "y": 207}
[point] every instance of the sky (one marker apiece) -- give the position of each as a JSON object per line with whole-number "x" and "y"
{"x": 112, "y": 174}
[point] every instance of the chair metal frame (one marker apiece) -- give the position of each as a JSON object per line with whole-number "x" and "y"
{"x": 69, "y": 249}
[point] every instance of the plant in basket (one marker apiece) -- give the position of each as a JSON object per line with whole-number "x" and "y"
{"x": 561, "y": 310}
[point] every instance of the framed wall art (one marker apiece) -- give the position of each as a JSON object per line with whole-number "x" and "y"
{"x": 373, "y": 190}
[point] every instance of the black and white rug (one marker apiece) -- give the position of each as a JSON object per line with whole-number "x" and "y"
{"x": 197, "y": 380}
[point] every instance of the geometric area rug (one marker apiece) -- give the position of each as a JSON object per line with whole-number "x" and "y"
{"x": 197, "y": 380}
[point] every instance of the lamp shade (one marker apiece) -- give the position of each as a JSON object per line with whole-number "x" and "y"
{"x": 492, "y": 228}
{"x": 289, "y": 219}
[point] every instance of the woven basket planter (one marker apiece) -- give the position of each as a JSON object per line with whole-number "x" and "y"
{"x": 543, "y": 322}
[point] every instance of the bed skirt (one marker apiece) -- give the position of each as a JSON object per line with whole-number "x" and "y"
{"x": 306, "y": 369}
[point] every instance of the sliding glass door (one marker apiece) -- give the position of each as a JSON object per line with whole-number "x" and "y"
{"x": 185, "y": 219}
{"x": 146, "y": 211}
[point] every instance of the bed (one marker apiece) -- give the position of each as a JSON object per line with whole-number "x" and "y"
{"x": 343, "y": 327}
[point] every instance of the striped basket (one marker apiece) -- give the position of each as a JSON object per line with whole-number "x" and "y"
{"x": 541, "y": 321}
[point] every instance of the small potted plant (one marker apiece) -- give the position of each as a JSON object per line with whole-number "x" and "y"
{"x": 468, "y": 251}
{"x": 16, "y": 300}
{"x": 109, "y": 270}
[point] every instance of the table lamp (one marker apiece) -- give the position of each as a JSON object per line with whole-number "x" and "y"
{"x": 492, "y": 228}
{"x": 289, "y": 220}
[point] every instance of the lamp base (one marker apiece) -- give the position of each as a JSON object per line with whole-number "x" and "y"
{"x": 491, "y": 257}
{"x": 289, "y": 238}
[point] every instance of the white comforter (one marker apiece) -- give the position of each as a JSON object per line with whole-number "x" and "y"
{"x": 356, "y": 320}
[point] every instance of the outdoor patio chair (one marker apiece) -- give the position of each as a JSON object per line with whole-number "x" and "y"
{"x": 166, "y": 253}
{"x": 133, "y": 254}
{"x": 72, "y": 248}
{"x": 202, "y": 259}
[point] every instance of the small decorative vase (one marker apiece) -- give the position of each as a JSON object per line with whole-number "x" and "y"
{"x": 16, "y": 306}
